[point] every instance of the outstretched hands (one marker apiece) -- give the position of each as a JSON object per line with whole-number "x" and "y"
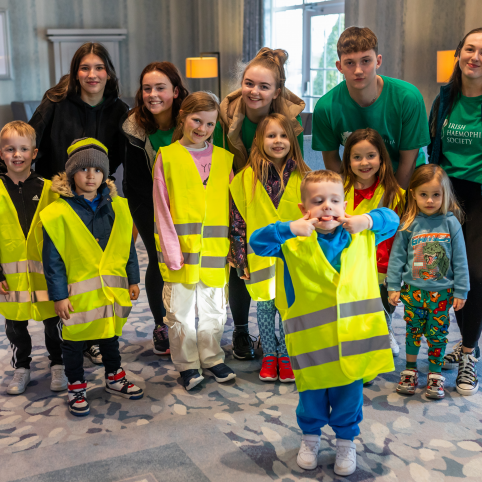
{"x": 304, "y": 226}
{"x": 354, "y": 224}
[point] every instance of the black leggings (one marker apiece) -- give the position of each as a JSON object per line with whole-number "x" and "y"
{"x": 239, "y": 298}
{"x": 469, "y": 318}
{"x": 143, "y": 215}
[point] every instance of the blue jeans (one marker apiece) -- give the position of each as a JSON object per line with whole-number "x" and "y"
{"x": 266, "y": 314}
{"x": 346, "y": 404}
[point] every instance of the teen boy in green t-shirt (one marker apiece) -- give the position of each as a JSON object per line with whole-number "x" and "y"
{"x": 392, "y": 107}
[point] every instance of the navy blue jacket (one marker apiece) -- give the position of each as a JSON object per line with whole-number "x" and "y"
{"x": 440, "y": 109}
{"x": 100, "y": 225}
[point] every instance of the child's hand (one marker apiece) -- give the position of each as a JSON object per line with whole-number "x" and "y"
{"x": 304, "y": 226}
{"x": 394, "y": 297}
{"x": 63, "y": 308}
{"x": 246, "y": 274}
{"x": 4, "y": 287}
{"x": 458, "y": 304}
{"x": 134, "y": 291}
{"x": 354, "y": 224}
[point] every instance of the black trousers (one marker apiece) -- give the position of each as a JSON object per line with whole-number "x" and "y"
{"x": 143, "y": 215}
{"x": 239, "y": 298}
{"x": 469, "y": 318}
{"x": 21, "y": 342}
{"x": 73, "y": 353}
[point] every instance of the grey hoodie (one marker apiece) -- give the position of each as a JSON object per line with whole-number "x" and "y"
{"x": 430, "y": 255}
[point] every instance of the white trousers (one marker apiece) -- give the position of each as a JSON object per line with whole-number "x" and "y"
{"x": 191, "y": 350}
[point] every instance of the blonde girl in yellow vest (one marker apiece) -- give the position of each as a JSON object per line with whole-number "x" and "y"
{"x": 370, "y": 183}
{"x": 191, "y": 206}
{"x": 265, "y": 191}
{"x": 262, "y": 92}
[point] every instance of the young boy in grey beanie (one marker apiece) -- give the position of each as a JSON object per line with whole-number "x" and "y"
{"x": 91, "y": 267}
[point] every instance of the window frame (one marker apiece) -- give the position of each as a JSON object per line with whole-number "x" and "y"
{"x": 328, "y": 7}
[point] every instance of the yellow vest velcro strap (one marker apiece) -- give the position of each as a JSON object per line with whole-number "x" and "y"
{"x": 310, "y": 320}
{"x": 359, "y": 347}
{"x": 213, "y": 261}
{"x": 261, "y": 275}
{"x": 15, "y": 297}
{"x": 40, "y": 295}
{"x": 362, "y": 307}
{"x": 81, "y": 287}
{"x": 122, "y": 311}
{"x": 188, "y": 229}
{"x": 35, "y": 266}
{"x": 14, "y": 267}
{"x": 249, "y": 249}
{"x": 315, "y": 358}
{"x": 89, "y": 316}
{"x": 215, "y": 231}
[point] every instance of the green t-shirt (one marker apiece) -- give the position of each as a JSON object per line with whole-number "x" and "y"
{"x": 398, "y": 114}
{"x": 161, "y": 138}
{"x": 462, "y": 140}
{"x": 248, "y": 130}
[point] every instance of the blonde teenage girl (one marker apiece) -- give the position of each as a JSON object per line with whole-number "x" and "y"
{"x": 191, "y": 205}
{"x": 265, "y": 191}
{"x": 262, "y": 92}
{"x": 371, "y": 183}
{"x": 429, "y": 257}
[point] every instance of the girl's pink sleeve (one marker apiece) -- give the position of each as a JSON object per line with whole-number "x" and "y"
{"x": 171, "y": 249}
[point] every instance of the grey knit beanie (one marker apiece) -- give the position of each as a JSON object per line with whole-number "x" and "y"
{"x": 86, "y": 152}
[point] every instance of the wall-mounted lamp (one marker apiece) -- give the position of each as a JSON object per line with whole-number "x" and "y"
{"x": 203, "y": 67}
{"x": 445, "y": 65}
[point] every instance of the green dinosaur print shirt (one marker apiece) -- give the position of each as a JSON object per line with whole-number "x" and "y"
{"x": 430, "y": 255}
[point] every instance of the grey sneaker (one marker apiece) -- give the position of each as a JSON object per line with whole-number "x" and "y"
{"x": 451, "y": 360}
{"x": 21, "y": 378}
{"x": 435, "y": 386}
{"x": 467, "y": 383}
{"x": 59, "y": 381}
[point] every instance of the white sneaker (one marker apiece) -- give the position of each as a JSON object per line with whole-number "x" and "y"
{"x": 59, "y": 381}
{"x": 21, "y": 378}
{"x": 345, "y": 463}
{"x": 308, "y": 454}
{"x": 393, "y": 344}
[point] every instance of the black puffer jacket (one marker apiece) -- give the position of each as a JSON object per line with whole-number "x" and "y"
{"x": 58, "y": 124}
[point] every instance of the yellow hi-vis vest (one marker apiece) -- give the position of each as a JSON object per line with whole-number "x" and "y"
{"x": 336, "y": 331}
{"x": 97, "y": 280}
{"x": 21, "y": 261}
{"x": 200, "y": 216}
{"x": 258, "y": 211}
{"x": 368, "y": 205}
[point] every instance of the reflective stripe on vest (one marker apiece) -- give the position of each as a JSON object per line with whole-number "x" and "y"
{"x": 21, "y": 261}
{"x": 97, "y": 281}
{"x": 336, "y": 331}
{"x": 258, "y": 211}
{"x": 201, "y": 221}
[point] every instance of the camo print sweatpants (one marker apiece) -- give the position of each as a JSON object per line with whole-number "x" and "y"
{"x": 427, "y": 313}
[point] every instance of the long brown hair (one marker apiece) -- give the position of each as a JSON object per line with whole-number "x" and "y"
{"x": 273, "y": 60}
{"x": 195, "y": 102}
{"x": 258, "y": 160}
{"x": 142, "y": 115}
{"x": 68, "y": 84}
{"x": 422, "y": 175}
{"x": 455, "y": 83}
{"x": 393, "y": 191}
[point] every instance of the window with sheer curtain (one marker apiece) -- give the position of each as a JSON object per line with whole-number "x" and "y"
{"x": 308, "y": 30}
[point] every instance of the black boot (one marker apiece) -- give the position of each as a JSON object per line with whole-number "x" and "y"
{"x": 243, "y": 346}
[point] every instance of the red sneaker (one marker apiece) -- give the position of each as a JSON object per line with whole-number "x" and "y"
{"x": 269, "y": 369}
{"x": 286, "y": 374}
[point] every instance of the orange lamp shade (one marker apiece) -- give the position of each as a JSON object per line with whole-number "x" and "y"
{"x": 201, "y": 67}
{"x": 445, "y": 65}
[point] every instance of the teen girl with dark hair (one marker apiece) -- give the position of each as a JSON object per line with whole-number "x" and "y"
{"x": 148, "y": 127}
{"x": 456, "y": 145}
